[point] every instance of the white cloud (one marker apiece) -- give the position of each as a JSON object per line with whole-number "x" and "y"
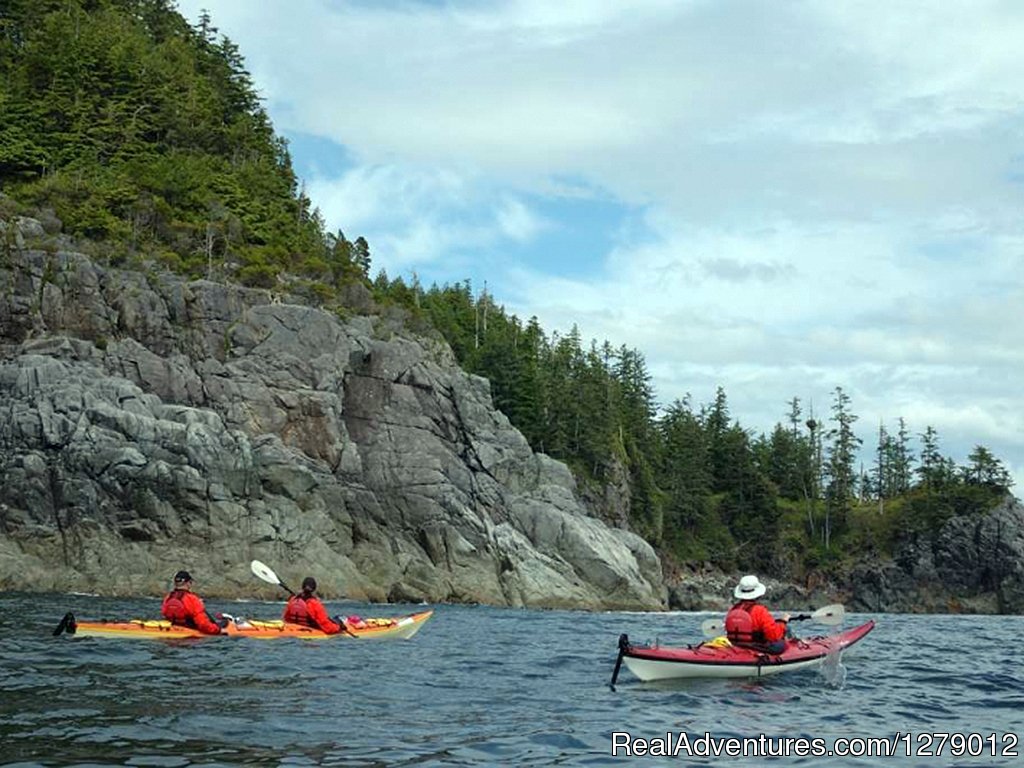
{"x": 517, "y": 221}
{"x": 419, "y": 215}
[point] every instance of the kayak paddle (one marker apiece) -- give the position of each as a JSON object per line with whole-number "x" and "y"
{"x": 266, "y": 573}
{"x": 830, "y": 615}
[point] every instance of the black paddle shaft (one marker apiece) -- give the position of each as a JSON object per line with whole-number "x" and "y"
{"x": 623, "y": 647}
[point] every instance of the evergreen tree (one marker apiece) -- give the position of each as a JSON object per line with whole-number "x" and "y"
{"x": 842, "y": 451}
{"x": 684, "y": 476}
{"x": 899, "y": 458}
{"x": 883, "y": 472}
{"x": 986, "y": 469}
{"x": 933, "y": 469}
{"x": 785, "y": 459}
{"x": 361, "y": 255}
{"x": 716, "y": 425}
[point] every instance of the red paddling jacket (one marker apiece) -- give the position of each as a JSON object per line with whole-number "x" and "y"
{"x": 186, "y": 609}
{"x": 749, "y": 623}
{"x": 310, "y": 612}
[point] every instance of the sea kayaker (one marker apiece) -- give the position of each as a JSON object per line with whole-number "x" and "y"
{"x": 306, "y": 608}
{"x": 750, "y": 624}
{"x": 185, "y": 608}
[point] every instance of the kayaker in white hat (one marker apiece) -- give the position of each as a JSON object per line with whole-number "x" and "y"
{"x": 750, "y": 624}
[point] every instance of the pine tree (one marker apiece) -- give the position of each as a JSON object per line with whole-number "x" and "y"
{"x": 883, "y": 477}
{"x": 933, "y": 467}
{"x": 842, "y": 449}
{"x": 685, "y": 473}
{"x": 986, "y": 469}
{"x": 900, "y": 460}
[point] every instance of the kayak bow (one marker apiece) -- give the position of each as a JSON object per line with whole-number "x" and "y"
{"x": 722, "y": 660}
{"x": 392, "y": 628}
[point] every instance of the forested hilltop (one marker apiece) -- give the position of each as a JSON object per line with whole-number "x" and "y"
{"x": 142, "y": 137}
{"x": 146, "y": 135}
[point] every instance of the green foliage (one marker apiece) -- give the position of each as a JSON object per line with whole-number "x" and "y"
{"x": 141, "y": 130}
{"x": 926, "y": 510}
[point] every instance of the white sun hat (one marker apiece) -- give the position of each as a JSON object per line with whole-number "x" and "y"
{"x": 749, "y": 588}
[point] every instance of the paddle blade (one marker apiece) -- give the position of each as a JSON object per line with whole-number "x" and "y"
{"x": 623, "y": 646}
{"x": 67, "y": 624}
{"x": 829, "y": 614}
{"x": 264, "y": 572}
{"x": 712, "y": 628}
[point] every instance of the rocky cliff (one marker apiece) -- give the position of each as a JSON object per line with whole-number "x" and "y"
{"x": 148, "y": 423}
{"x": 972, "y": 564}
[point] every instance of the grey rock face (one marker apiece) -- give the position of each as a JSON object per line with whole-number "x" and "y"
{"x": 148, "y": 424}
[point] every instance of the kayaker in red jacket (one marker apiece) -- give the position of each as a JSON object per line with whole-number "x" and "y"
{"x": 185, "y": 608}
{"x": 750, "y": 624}
{"x": 306, "y": 609}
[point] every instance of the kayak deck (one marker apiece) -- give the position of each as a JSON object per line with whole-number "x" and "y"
{"x": 390, "y": 628}
{"x": 722, "y": 660}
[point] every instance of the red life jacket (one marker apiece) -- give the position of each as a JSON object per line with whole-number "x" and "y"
{"x": 739, "y": 626}
{"x": 174, "y": 609}
{"x": 186, "y": 609}
{"x": 296, "y": 611}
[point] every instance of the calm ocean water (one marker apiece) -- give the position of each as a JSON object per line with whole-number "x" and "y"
{"x": 476, "y": 686}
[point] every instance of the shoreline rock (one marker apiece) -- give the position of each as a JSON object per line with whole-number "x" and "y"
{"x": 148, "y": 423}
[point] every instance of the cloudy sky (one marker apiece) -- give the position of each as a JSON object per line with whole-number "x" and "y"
{"x": 778, "y": 198}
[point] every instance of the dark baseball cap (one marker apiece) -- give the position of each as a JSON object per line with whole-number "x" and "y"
{"x": 182, "y": 576}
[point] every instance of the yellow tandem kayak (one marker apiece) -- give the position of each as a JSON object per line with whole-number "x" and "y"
{"x": 389, "y": 628}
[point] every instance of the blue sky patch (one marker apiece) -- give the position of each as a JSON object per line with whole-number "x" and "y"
{"x": 316, "y": 157}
